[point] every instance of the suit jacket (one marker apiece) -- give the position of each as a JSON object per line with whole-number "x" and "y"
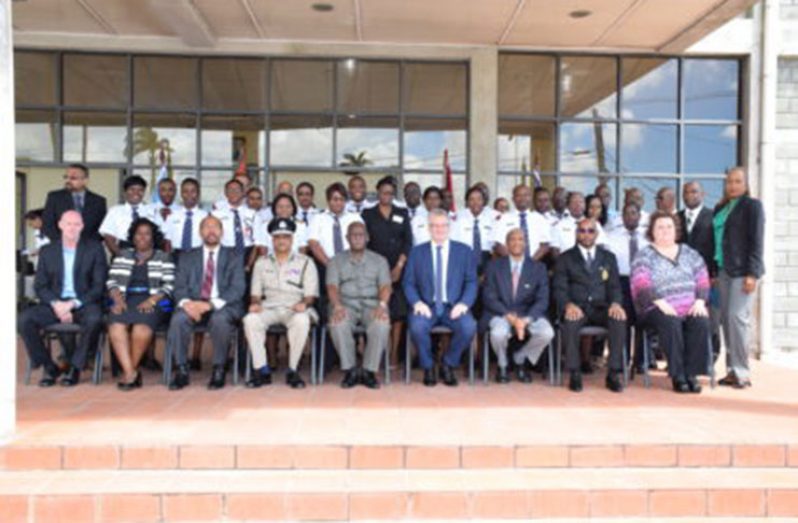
{"x": 596, "y": 287}
{"x": 418, "y": 280}
{"x": 702, "y": 237}
{"x": 743, "y": 239}
{"x": 230, "y": 280}
{"x": 89, "y": 272}
{"x": 532, "y": 295}
{"x": 94, "y": 209}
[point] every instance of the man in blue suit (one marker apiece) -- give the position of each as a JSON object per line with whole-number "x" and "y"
{"x": 440, "y": 283}
{"x": 516, "y": 299}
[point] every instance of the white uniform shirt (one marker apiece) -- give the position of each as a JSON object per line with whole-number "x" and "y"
{"x": 420, "y": 227}
{"x": 321, "y": 230}
{"x": 617, "y": 222}
{"x": 351, "y": 206}
{"x": 173, "y": 228}
{"x": 463, "y": 228}
{"x": 307, "y": 215}
{"x": 227, "y": 217}
{"x": 537, "y": 225}
{"x": 159, "y": 220}
{"x": 119, "y": 217}
{"x": 618, "y": 243}
{"x": 418, "y": 211}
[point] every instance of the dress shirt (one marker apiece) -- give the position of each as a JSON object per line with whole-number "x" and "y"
{"x": 227, "y": 218}
{"x": 618, "y": 244}
{"x": 321, "y": 230}
{"x": 173, "y": 228}
{"x": 538, "y": 229}
{"x": 119, "y": 217}
{"x": 68, "y": 291}
{"x": 463, "y": 228}
{"x": 445, "y": 262}
{"x": 690, "y": 216}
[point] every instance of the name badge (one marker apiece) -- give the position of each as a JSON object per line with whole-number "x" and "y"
{"x": 398, "y": 219}
{"x": 605, "y": 275}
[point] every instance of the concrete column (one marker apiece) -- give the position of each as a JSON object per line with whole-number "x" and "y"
{"x": 8, "y": 338}
{"x": 483, "y": 123}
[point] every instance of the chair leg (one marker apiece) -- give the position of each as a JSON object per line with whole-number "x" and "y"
{"x": 320, "y": 362}
{"x": 559, "y": 360}
{"x": 236, "y": 350}
{"x": 97, "y": 375}
{"x": 646, "y": 374}
{"x": 625, "y": 360}
{"x": 387, "y": 357}
{"x": 315, "y": 377}
{"x": 550, "y": 350}
{"x": 710, "y": 362}
{"x": 471, "y": 357}
{"x": 28, "y": 369}
{"x": 486, "y": 357}
{"x": 408, "y": 344}
{"x": 167, "y": 364}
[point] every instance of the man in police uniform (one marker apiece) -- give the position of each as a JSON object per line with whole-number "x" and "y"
{"x": 284, "y": 287}
{"x": 359, "y": 287}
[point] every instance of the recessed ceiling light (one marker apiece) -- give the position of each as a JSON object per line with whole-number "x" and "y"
{"x": 580, "y": 13}
{"x": 322, "y": 7}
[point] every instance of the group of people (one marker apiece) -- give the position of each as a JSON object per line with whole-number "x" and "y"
{"x": 391, "y": 268}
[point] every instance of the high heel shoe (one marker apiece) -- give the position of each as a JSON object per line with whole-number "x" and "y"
{"x": 130, "y": 385}
{"x": 137, "y": 382}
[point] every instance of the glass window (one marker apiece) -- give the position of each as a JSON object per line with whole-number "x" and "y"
{"x": 302, "y": 85}
{"x": 96, "y": 80}
{"x": 588, "y": 85}
{"x": 301, "y": 140}
{"x": 649, "y": 88}
{"x": 178, "y": 131}
{"x": 526, "y": 85}
{"x": 648, "y": 148}
{"x": 649, "y": 187}
{"x": 212, "y": 182}
{"x": 368, "y": 87}
{"x": 426, "y": 139}
{"x": 584, "y": 184}
{"x": 524, "y": 146}
{"x": 711, "y": 89}
{"x": 587, "y": 147}
{"x": 506, "y": 183}
{"x": 435, "y": 88}
{"x": 233, "y": 140}
{"x": 95, "y": 137}
{"x": 370, "y": 142}
{"x": 710, "y": 149}
{"x": 165, "y": 82}
{"x": 233, "y": 84}
{"x": 427, "y": 180}
{"x": 34, "y": 78}
{"x": 36, "y": 135}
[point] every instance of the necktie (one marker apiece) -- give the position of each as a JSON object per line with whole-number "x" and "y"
{"x": 185, "y": 242}
{"x": 338, "y": 238}
{"x": 689, "y": 221}
{"x": 239, "y": 231}
{"x": 207, "y": 280}
{"x": 439, "y": 280}
{"x": 412, "y": 213}
{"x": 135, "y": 213}
{"x": 78, "y": 201}
{"x": 525, "y": 229}
{"x": 589, "y": 260}
{"x": 305, "y": 216}
{"x": 632, "y": 245}
{"x": 516, "y": 278}
{"x": 476, "y": 242}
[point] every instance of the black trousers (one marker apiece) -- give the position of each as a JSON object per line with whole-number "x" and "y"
{"x": 684, "y": 340}
{"x": 221, "y": 324}
{"x": 34, "y": 319}
{"x": 594, "y": 318}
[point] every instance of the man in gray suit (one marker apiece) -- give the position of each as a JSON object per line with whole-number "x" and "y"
{"x": 209, "y": 290}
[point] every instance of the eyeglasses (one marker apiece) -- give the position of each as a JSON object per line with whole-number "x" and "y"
{"x": 586, "y": 231}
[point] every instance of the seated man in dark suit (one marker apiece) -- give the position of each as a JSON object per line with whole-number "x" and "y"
{"x": 440, "y": 284}
{"x": 74, "y": 196}
{"x": 209, "y": 289}
{"x": 587, "y": 291}
{"x": 70, "y": 284}
{"x": 516, "y": 298}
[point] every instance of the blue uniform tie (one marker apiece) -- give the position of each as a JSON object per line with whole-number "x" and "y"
{"x": 476, "y": 242}
{"x": 185, "y": 242}
{"x": 439, "y": 280}
{"x": 239, "y": 232}
{"x": 525, "y": 228}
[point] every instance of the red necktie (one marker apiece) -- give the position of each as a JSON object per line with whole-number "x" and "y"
{"x": 207, "y": 281}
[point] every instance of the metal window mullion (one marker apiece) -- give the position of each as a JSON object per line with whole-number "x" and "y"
{"x": 334, "y": 112}
{"x": 557, "y": 105}
{"x": 198, "y": 115}
{"x": 400, "y": 108}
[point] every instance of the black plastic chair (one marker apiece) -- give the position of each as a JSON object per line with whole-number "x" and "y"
{"x": 594, "y": 332}
{"x": 646, "y": 362}
{"x": 168, "y": 358}
{"x": 56, "y": 330}
{"x": 486, "y": 358}
{"x": 438, "y": 331}
{"x": 282, "y": 330}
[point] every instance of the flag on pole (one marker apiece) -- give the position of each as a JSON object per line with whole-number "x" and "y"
{"x": 536, "y": 169}
{"x": 241, "y": 152}
{"x": 447, "y": 182}
{"x": 163, "y": 169}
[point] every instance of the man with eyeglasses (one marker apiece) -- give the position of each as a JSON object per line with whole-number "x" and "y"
{"x": 74, "y": 196}
{"x": 304, "y": 198}
{"x": 587, "y": 292}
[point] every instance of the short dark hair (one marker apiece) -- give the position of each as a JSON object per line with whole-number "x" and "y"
{"x": 190, "y": 181}
{"x": 233, "y": 181}
{"x": 283, "y": 196}
{"x": 308, "y": 185}
{"x": 479, "y": 190}
{"x": 79, "y": 166}
{"x": 540, "y": 189}
{"x": 166, "y": 180}
{"x": 387, "y": 180}
{"x": 660, "y": 215}
{"x": 134, "y": 180}
{"x": 432, "y": 189}
{"x": 157, "y": 235}
{"x": 336, "y": 187}
{"x": 255, "y": 189}
{"x": 34, "y": 213}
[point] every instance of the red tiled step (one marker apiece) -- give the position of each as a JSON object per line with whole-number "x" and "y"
{"x": 175, "y": 495}
{"x": 393, "y": 457}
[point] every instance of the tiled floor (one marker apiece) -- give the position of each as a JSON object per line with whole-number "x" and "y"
{"x": 513, "y": 414}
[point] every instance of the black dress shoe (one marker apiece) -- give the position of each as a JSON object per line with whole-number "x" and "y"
{"x": 49, "y": 375}
{"x": 447, "y": 376}
{"x": 575, "y": 382}
{"x": 217, "y": 378}
{"x": 613, "y": 381}
{"x": 195, "y": 364}
{"x": 351, "y": 378}
{"x": 429, "y": 378}
{"x": 693, "y": 385}
{"x": 742, "y": 384}
{"x": 369, "y": 379}
{"x": 257, "y": 380}
{"x": 294, "y": 380}
{"x": 729, "y": 380}
{"x": 522, "y": 374}
{"x": 502, "y": 376}
{"x": 680, "y": 386}
{"x": 180, "y": 378}
{"x": 130, "y": 385}
{"x": 151, "y": 364}
{"x": 71, "y": 378}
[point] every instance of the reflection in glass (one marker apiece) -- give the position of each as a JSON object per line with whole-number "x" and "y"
{"x": 649, "y": 186}
{"x": 711, "y": 89}
{"x": 35, "y": 134}
{"x": 233, "y": 84}
{"x": 34, "y": 78}
{"x": 588, "y": 148}
{"x": 648, "y": 148}
{"x": 435, "y": 88}
{"x": 301, "y": 140}
{"x": 165, "y": 82}
{"x": 588, "y": 86}
{"x": 368, "y": 142}
{"x": 234, "y": 140}
{"x": 426, "y": 139}
{"x": 585, "y": 184}
{"x": 302, "y": 85}
{"x": 149, "y": 131}
{"x": 710, "y": 149}
{"x": 428, "y": 180}
{"x": 525, "y": 146}
{"x": 368, "y": 87}
{"x": 95, "y": 137}
{"x": 212, "y": 182}
{"x": 649, "y": 88}
{"x": 95, "y": 80}
{"x": 526, "y": 85}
